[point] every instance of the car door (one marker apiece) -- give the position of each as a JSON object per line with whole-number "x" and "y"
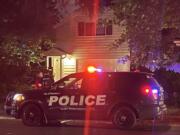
{"x": 76, "y": 107}
{"x": 96, "y": 87}
{"x": 67, "y": 101}
{"x": 52, "y": 108}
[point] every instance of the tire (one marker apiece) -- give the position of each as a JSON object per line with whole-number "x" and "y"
{"x": 124, "y": 118}
{"x": 32, "y": 115}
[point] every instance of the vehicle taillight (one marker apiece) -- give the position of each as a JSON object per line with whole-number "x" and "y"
{"x": 150, "y": 92}
{"x": 39, "y": 85}
{"x": 155, "y": 93}
{"x": 146, "y": 91}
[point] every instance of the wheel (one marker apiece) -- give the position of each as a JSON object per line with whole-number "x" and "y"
{"x": 32, "y": 115}
{"x": 124, "y": 117}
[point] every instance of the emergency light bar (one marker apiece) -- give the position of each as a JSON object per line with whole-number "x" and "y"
{"x": 92, "y": 69}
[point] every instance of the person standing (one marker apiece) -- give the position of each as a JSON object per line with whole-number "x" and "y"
{"x": 38, "y": 80}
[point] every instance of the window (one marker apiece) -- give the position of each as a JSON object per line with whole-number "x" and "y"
{"x": 106, "y": 3}
{"x": 104, "y": 28}
{"x": 86, "y": 29}
{"x": 70, "y": 83}
{"x": 126, "y": 83}
{"x": 109, "y": 28}
{"x": 100, "y": 29}
{"x": 96, "y": 84}
{"x": 81, "y": 30}
{"x": 90, "y": 29}
{"x": 49, "y": 63}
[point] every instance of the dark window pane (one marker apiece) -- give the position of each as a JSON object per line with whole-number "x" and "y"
{"x": 100, "y": 29}
{"x": 50, "y": 63}
{"x": 126, "y": 83}
{"x": 109, "y": 29}
{"x": 81, "y": 29}
{"x": 106, "y": 3}
{"x": 96, "y": 84}
{"x": 90, "y": 29}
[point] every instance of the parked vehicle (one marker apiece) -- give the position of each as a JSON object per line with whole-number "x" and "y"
{"x": 120, "y": 97}
{"x": 8, "y": 102}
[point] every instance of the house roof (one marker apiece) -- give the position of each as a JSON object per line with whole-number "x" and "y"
{"x": 55, "y": 52}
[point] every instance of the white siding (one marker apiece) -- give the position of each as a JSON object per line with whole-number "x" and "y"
{"x": 91, "y": 47}
{"x": 104, "y": 64}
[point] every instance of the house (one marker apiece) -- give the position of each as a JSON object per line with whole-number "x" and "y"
{"x": 84, "y": 40}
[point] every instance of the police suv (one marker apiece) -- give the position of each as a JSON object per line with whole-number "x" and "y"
{"x": 120, "y": 97}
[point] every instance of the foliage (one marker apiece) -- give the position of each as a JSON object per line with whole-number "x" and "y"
{"x": 23, "y": 24}
{"x": 170, "y": 81}
{"x": 143, "y": 21}
{"x": 171, "y": 52}
{"x": 18, "y": 59}
{"x": 62, "y": 8}
{"x": 17, "y": 52}
{"x": 28, "y": 18}
{"x": 171, "y": 15}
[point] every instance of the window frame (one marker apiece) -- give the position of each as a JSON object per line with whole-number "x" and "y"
{"x": 82, "y": 29}
{"x": 56, "y": 85}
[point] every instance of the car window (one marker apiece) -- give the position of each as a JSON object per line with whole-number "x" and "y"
{"x": 126, "y": 83}
{"x": 69, "y": 83}
{"x": 96, "y": 84}
{"x": 153, "y": 82}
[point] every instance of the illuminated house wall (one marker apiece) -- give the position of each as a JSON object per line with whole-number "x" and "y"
{"x": 61, "y": 65}
{"x": 89, "y": 42}
{"x": 54, "y": 63}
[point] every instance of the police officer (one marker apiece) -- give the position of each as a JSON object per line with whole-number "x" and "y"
{"x": 38, "y": 81}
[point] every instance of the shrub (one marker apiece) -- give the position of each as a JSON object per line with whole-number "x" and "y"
{"x": 170, "y": 81}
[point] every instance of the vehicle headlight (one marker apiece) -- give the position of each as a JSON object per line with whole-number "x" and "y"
{"x": 18, "y": 97}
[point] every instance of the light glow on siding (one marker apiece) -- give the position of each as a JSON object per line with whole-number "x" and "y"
{"x": 69, "y": 61}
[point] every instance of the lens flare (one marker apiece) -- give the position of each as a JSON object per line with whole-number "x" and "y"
{"x": 91, "y": 69}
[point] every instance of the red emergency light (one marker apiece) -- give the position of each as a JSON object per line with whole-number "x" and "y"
{"x": 146, "y": 90}
{"x": 92, "y": 69}
{"x": 150, "y": 91}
